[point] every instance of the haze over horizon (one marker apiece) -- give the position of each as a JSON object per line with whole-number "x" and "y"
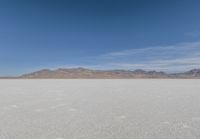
{"x": 162, "y": 35}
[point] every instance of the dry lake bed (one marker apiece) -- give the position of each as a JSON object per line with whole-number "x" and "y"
{"x": 100, "y": 109}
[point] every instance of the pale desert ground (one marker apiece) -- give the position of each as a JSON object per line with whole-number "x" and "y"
{"x": 100, "y": 109}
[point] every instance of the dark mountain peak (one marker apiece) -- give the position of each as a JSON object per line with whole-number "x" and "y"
{"x": 156, "y": 72}
{"x": 139, "y": 71}
{"x": 72, "y": 69}
{"x": 81, "y": 69}
{"x": 194, "y": 71}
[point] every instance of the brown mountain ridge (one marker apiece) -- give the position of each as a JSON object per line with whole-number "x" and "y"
{"x": 83, "y": 73}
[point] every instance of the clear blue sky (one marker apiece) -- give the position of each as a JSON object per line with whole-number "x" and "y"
{"x": 103, "y": 34}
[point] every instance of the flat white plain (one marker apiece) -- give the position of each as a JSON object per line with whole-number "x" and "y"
{"x": 100, "y": 109}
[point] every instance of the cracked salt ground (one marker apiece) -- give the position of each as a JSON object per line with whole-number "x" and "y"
{"x": 14, "y": 106}
{"x": 121, "y": 117}
{"x": 58, "y": 106}
{"x": 166, "y": 123}
{"x": 39, "y": 110}
{"x": 197, "y": 119}
{"x": 59, "y": 138}
{"x": 72, "y": 110}
{"x": 96, "y": 109}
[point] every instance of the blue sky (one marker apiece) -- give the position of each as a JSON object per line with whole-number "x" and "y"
{"x": 99, "y": 34}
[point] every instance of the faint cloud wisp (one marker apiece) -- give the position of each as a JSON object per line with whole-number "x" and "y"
{"x": 171, "y": 58}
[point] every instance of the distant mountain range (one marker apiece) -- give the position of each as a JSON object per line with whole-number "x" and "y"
{"x": 83, "y": 73}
